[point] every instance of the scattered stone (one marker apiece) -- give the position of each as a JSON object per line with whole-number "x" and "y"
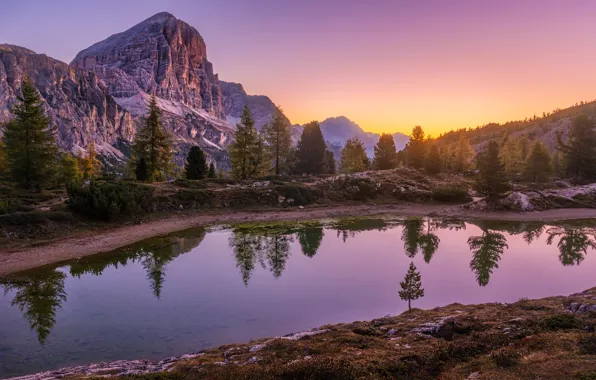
{"x": 307, "y": 357}
{"x": 258, "y": 347}
{"x": 303, "y": 334}
{"x": 254, "y": 359}
{"x": 474, "y": 376}
{"x": 391, "y": 332}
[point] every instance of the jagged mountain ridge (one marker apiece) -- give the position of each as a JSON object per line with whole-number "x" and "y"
{"x": 76, "y": 100}
{"x": 102, "y": 95}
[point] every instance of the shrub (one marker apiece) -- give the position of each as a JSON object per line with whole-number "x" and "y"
{"x": 562, "y": 322}
{"x": 301, "y": 195}
{"x": 35, "y": 217}
{"x": 110, "y": 200}
{"x": 450, "y": 194}
{"x": 587, "y": 344}
{"x": 11, "y": 205}
{"x": 505, "y": 357}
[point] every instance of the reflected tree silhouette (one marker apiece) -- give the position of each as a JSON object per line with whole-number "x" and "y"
{"x": 349, "y": 228}
{"x": 413, "y": 229}
{"x": 153, "y": 254}
{"x": 271, "y": 250}
{"x": 277, "y": 248}
{"x": 39, "y": 297}
{"x": 573, "y": 243}
{"x": 310, "y": 239}
{"x": 533, "y": 232}
{"x": 487, "y": 250}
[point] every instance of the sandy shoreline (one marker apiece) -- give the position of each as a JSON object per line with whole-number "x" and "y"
{"x": 86, "y": 244}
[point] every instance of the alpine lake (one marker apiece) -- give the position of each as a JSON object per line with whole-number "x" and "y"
{"x": 206, "y": 287}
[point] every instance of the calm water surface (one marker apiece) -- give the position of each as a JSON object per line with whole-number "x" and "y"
{"x": 196, "y": 289}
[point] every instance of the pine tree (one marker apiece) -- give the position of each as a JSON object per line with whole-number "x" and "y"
{"x": 463, "y": 155}
{"x": 580, "y": 149}
{"x": 330, "y": 166}
{"x": 385, "y": 153}
{"x": 196, "y": 164}
{"x": 559, "y": 165}
{"x": 69, "y": 169}
{"x": 433, "y": 160}
{"x": 539, "y": 164}
{"x": 221, "y": 174}
{"x": 91, "y": 166}
{"x": 277, "y": 135}
{"x": 311, "y": 153}
{"x": 247, "y": 154}
{"x": 30, "y": 149}
{"x": 416, "y": 148}
{"x": 153, "y": 145}
{"x": 491, "y": 181}
{"x": 411, "y": 286}
{"x": 353, "y": 157}
{"x": 141, "y": 170}
{"x": 513, "y": 155}
{"x": 211, "y": 173}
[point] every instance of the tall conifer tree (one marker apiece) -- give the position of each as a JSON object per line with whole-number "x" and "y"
{"x": 492, "y": 179}
{"x": 311, "y": 152}
{"x": 196, "y": 164}
{"x": 247, "y": 152}
{"x": 277, "y": 135}
{"x": 416, "y": 148}
{"x": 385, "y": 153}
{"x": 153, "y": 145}
{"x": 30, "y": 148}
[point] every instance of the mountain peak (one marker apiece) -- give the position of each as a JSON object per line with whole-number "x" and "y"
{"x": 159, "y": 17}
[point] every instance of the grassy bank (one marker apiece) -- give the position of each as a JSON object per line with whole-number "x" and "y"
{"x": 551, "y": 338}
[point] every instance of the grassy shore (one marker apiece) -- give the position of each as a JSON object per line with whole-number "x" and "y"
{"x": 551, "y": 338}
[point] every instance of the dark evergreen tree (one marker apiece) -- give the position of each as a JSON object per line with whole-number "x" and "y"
{"x": 30, "y": 149}
{"x": 433, "y": 161}
{"x": 211, "y": 173}
{"x": 153, "y": 144}
{"x": 141, "y": 170}
{"x": 411, "y": 286}
{"x": 487, "y": 250}
{"x": 491, "y": 181}
{"x": 416, "y": 148}
{"x": 538, "y": 166}
{"x": 385, "y": 153}
{"x": 580, "y": 149}
{"x": 277, "y": 135}
{"x": 353, "y": 157}
{"x": 311, "y": 153}
{"x": 330, "y": 166}
{"x": 196, "y": 164}
{"x": 247, "y": 152}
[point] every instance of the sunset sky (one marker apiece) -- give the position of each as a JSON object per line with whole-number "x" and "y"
{"x": 386, "y": 64}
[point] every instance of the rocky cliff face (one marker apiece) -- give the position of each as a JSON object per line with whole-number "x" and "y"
{"x": 161, "y": 55}
{"x": 76, "y": 100}
{"x": 235, "y": 98}
{"x": 166, "y": 57}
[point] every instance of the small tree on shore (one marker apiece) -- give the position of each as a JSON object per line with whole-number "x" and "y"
{"x": 538, "y": 167}
{"x": 353, "y": 157}
{"x": 153, "y": 145}
{"x": 247, "y": 152}
{"x": 411, "y": 286}
{"x": 492, "y": 180}
{"x": 277, "y": 135}
{"x": 385, "y": 153}
{"x": 90, "y": 165}
{"x": 211, "y": 173}
{"x": 196, "y": 165}
{"x": 433, "y": 161}
{"x": 416, "y": 148}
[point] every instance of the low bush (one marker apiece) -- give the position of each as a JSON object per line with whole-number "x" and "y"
{"x": 450, "y": 194}
{"x": 110, "y": 200}
{"x": 35, "y": 217}
{"x": 587, "y": 344}
{"x": 301, "y": 195}
{"x": 562, "y": 322}
{"x": 505, "y": 357}
{"x": 10, "y": 205}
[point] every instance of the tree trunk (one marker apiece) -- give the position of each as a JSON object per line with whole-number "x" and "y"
{"x": 410, "y": 305}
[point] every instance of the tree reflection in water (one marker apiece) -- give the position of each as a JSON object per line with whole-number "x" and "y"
{"x": 39, "y": 297}
{"x": 487, "y": 250}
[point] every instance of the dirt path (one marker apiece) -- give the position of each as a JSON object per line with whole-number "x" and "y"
{"x": 12, "y": 261}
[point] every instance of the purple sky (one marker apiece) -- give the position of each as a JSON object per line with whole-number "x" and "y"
{"x": 386, "y": 64}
